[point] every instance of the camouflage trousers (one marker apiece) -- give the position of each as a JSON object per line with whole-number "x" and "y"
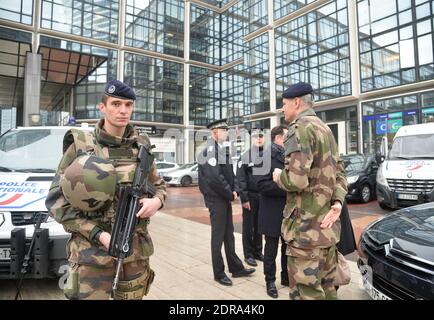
{"x": 93, "y": 282}
{"x": 311, "y": 273}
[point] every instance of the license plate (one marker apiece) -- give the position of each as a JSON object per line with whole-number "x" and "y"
{"x": 406, "y": 196}
{"x": 5, "y": 253}
{"x": 374, "y": 293}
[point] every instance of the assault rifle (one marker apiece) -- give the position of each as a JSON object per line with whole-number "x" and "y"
{"x": 128, "y": 206}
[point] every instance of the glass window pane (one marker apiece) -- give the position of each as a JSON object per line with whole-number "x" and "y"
{"x": 425, "y": 49}
{"x": 95, "y": 19}
{"x": 11, "y": 10}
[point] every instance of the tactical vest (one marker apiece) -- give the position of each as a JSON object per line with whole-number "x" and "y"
{"x": 124, "y": 160}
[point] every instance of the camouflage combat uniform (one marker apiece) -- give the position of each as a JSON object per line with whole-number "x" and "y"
{"x": 92, "y": 270}
{"x": 313, "y": 178}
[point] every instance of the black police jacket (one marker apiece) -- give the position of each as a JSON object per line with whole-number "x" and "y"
{"x": 246, "y": 180}
{"x": 216, "y": 175}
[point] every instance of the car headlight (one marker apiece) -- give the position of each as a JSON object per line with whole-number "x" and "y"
{"x": 381, "y": 179}
{"x": 352, "y": 179}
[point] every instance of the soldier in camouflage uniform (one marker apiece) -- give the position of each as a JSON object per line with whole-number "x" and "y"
{"x": 316, "y": 186}
{"x": 83, "y": 198}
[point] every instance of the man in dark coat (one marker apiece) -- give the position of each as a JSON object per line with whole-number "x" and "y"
{"x": 272, "y": 202}
{"x": 217, "y": 184}
{"x": 249, "y": 196}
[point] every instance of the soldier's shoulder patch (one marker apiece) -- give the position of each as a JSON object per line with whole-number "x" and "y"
{"x": 291, "y": 142}
{"x": 212, "y": 162}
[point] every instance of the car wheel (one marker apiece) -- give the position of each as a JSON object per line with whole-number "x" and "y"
{"x": 366, "y": 193}
{"x": 186, "y": 181}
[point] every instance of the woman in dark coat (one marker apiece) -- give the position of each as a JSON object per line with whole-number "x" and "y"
{"x": 347, "y": 244}
{"x": 271, "y": 204}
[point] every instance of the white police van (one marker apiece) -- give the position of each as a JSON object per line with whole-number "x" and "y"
{"x": 406, "y": 177}
{"x": 29, "y": 157}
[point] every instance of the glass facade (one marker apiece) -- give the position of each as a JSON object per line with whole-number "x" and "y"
{"x": 205, "y": 28}
{"x": 205, "y": 97}
{"x": 158, "y": 85}
{"x": 256, "y": 73}
{"x": 155, "y": 26}
{"x": 384, "y": 117}
{"x": 255, "y": 12}
{"x": 396, "y": 42}
{"x": 87, "y": 93}
{"x": 17, "y": 10}
{"x": 285, "y": 7}
{"x": 235, "y": 47}
{"x": 348, "y": 118}
{"x": 94, "y": 19}
{"x": 314, "y": 48}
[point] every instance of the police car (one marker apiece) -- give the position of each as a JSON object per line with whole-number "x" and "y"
{"x": 28, "y": 161}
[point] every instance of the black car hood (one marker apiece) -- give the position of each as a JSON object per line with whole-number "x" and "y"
{"x": 412, "y": 230}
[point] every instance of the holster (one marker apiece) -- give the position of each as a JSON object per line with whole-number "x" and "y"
{"x": 136, "y": 288}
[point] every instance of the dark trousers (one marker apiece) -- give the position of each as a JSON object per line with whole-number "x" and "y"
{"x": 270, "y": 254}
{"x": 222, "y": 232}
{"x": 252, "y": 240}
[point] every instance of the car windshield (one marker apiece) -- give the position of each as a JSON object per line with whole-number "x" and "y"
{"x": 355, "y": 163}
{"x": 186, "y": 166}
{"x": 409, "y": 147}
{"x": 38, "y": 150}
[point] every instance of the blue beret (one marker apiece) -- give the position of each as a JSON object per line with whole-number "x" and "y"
{"x": 219, "y": 124}
{"x": 118, "y": 89}
{"x": 297, "y": 90}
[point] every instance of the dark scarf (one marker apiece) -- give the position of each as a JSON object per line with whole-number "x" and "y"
{"x": 278, "y": 151}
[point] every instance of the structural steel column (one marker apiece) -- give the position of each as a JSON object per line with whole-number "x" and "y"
{"x": 186, "y": 95}
{"x": 121, "y": 40}
{"x": 32, "y": 86}
{"x": 355, "y": 65}
{"x": 272, "y": 63}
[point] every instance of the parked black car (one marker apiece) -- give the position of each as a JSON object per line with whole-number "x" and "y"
{"x": 397, "y": 254}
{"x": 361, "y": 171}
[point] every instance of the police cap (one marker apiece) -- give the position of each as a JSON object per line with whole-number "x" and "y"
{"x": 118, "y": 89}
{"x": 297, "y": 90}
{"x": 219, "y": 124}
{"x": 257, "y": 132}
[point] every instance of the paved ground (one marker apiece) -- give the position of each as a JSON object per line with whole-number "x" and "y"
{"x": 187, "y": 203}
{"x": 182, "y": 259}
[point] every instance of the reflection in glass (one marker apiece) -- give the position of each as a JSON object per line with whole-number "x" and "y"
{"x": 155, "y": 26}
{"x": 390, "y": 55}
{"x": 314, "y": 48}
{"x": 91, "y": 19}
{"x": 17, "y": 10}
{"x": 204, "y": 95}
{"x": 158, "y": 85}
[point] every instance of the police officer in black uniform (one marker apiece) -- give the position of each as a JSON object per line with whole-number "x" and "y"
{"x": 249, "y": 195}
{"x": 217, "y": 184}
